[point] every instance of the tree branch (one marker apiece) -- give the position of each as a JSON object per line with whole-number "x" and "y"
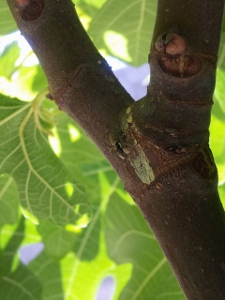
{"x": 159, "y": 145}
{"x": 80, "y": 80}
{"x": 182, "y": 204}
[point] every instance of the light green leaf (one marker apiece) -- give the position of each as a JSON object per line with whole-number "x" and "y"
{"x": 217, "y": 144}
{"x": 18, "y": 79}
{"x": 91, "y": 3}
{"x": 100, "y": 264}
{"x": 124, "y": 29}
{"x": 9, "y": 200}
{"x": 129, "y": 239}
{"x": 90, "y": 274}
{"x": 8, "y": 59}
{"x": 7, "y": 23}
{"x": 41, "y": 178}
{"x": 89, "y": 7}
{"x": 219, "y": 90}
{"x": 31, "y": 79}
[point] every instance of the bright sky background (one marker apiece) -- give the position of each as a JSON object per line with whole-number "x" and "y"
{"x": 134, "y": 79}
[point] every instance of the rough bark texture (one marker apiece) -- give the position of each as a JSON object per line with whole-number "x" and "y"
{"x": 158, "y": 145}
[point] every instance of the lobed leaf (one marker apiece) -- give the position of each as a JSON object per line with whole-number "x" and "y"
{"x": 128, "y": 40}
{"x": 41, "y": 179}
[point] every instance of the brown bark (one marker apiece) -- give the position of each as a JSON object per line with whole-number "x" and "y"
{"x": 158, "y": 145}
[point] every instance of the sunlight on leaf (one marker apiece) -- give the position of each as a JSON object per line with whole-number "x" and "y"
{"x": 84, "y": 18}
{"x": 26, "y": 155}
{"x": 74, "y": 133}
{"x": 133, "y": 20}
{"x": 8, "y": 59}
{"x": 30, "y": 216}
{"x": 125, "y": 196}
{"x": 12, "y": 89}
{"x": 75, "y": 284}
{"x": 83, "y": 221}
{"x": 55, "y": 142}
{"x": 17, "y": 77}
{"x": 69, "y": 188}
{"x": 117, "y": 44}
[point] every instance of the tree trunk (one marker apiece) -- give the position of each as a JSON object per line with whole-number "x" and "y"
{"x": 158, "y": 145}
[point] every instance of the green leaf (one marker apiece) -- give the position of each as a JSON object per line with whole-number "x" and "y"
{"x": 9, "y": 200}
{"x": 80, "y": 273}
{"x": 8, "y": 59}
{"x": 59, "y": 281}
{"x": 17, "y": 282}
{"x": 39, "y": 81}
{"x": 48, "y": 272}
{"x": 20, "y": 285}
{"x": 90, "y": 3}
{"x": 80, "y": 155}
{"x": 129, "y": 239}
{"x": 57, "y": 240}
{"x": 29, "y": 236}
{"x": 76, "y": 266}
{"x": 128, "y": 40}
{"x": 8, "y": 251}
{"x": 7, "y": 23}
{"x": 89, "y": 7}
{"x": 219, "y": 90}
{"x": 77, "y": 150}
{"x": 31, "y": 79}
{"x": 41, "y": 179}
{"x": 217, "y": 144}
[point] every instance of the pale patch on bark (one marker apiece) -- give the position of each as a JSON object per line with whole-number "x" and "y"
{"x": 141, "y": 165}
